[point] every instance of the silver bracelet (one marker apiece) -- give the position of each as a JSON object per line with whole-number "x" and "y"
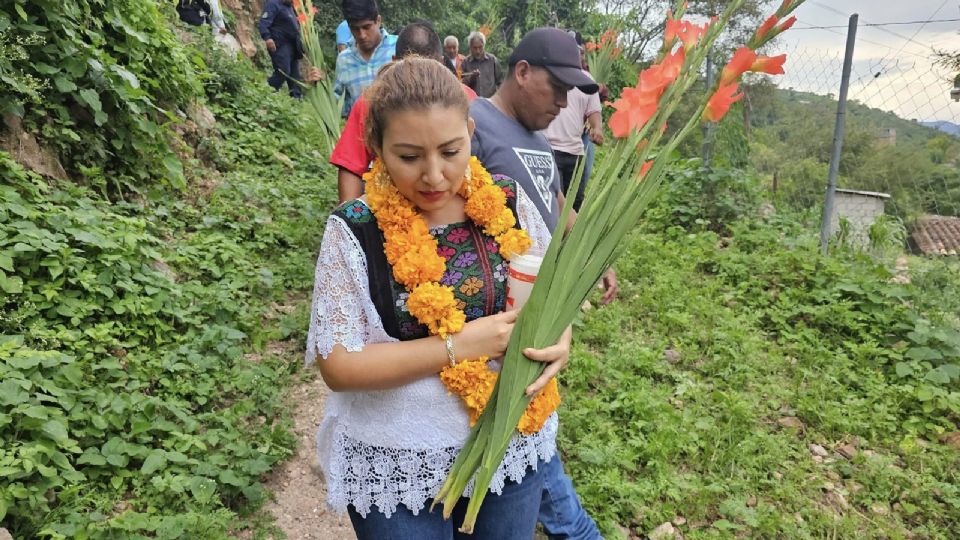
{"x": 450, "y": 355}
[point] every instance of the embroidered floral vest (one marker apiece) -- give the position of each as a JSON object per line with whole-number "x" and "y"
{"x": 475, "y": 269}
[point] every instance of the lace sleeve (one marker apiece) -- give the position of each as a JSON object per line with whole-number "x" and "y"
{"x": 341, "y": 310}
{"x": 532, "y": 222}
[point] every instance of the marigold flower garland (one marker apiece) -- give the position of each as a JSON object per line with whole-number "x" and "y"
{"x": 412, "y": 253}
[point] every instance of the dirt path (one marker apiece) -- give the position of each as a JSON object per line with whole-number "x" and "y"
{"x": 300, "y": 493}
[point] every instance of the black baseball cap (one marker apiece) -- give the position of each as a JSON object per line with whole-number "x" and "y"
{"x": 557, "y": 52}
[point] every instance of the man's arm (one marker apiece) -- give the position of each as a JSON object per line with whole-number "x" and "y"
{"x": 338, "y": 84}
{"x": 349, "y": 185}
{"x": 351, "y": 155}
{"x": 594, "y": 122}
{"x": 266, "y": 22}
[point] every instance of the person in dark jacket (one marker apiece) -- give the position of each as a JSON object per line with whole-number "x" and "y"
{"x": 280, "y": 31}
{"x": 194, "y": 12}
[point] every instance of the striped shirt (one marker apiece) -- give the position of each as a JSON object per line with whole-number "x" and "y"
{"x": 354, "y": 73}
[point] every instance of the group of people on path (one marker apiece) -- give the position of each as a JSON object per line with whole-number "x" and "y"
{"x": 391, "y": 429}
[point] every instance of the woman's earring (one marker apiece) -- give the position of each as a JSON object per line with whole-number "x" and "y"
{"x": 382, "y": 178}
{"x": 467, "y": 177}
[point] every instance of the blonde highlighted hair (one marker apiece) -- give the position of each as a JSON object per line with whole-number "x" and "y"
{"x": 412, "y": 83}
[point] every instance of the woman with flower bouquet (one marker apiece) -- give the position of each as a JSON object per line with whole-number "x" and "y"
{"x": 408, "y": 310}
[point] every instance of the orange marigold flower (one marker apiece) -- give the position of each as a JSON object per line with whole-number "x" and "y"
{"x": 540, "y": 408}
{"x": 435, "y": 306}
{"x": 485, "y": 203}
{"x": 514, "y": 242}
{"x": 720, "y": 102}
{"x": 742, "y": 59}
{"x": 634, "y": 109}
{"x": 419, "y": 265}
{"x": 473, "y": 382}
{"x": 451, "y": 324}
{"x": 771, "y": 65}
{"x": 500, "y": 224}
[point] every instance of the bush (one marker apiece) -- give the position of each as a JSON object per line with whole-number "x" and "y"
{"x": 112, "y": 73}
{"x": 698, "y": 198}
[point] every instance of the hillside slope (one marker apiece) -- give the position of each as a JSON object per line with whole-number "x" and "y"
{"x": 140, "y": 289}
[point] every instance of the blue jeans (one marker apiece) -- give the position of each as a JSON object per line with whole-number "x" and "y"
{"x": 561, "y": 515}
{"x": 512, "y": 515}
{"x": 286, "y": 67}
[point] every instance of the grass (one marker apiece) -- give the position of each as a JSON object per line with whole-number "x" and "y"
{"x": 676, "y": 398}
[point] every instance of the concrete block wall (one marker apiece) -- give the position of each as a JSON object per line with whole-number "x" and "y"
{"x": 860, "y": 210}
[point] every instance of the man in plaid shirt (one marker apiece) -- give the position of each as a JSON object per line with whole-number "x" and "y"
{"x": 372, "y": 47}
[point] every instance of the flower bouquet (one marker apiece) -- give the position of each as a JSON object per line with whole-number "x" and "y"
{"x": 623, "y": 184}
{"x": 320, "y": 100}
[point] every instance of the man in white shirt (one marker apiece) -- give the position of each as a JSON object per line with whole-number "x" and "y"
{"x": 565, "y": 134}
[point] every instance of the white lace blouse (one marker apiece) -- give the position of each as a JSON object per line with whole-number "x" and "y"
{"x": 395, "y": 446}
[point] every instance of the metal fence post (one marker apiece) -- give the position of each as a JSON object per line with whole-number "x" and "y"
{"x": 825, "y": 231}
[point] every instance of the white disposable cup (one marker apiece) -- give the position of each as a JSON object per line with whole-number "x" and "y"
{"x": 520, "y": 278}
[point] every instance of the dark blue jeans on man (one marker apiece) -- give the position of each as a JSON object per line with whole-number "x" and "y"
{"x": 561, "y": 515}
{"x": 286, "y": 67}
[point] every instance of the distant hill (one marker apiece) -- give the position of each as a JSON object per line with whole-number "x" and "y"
{"x": 947, "y": 127}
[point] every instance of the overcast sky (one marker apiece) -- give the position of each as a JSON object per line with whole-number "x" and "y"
{"x": 908, "y": 83}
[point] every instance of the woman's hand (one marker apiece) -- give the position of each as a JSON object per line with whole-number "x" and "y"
{"x": 557, "y": 355}
{"x": 486, "y": 336}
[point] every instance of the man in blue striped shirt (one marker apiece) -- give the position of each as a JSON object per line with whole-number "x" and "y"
{"x": 372, "y": 47}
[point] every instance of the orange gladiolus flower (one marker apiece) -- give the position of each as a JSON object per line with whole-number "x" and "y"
{"x": 313, "y": 9}
{"x": 785, "y": 25}
{"x": 741, "y": 62}
{"x": 634, "y": 110}
{"x": 691, "y": 33}
{"x": 485, "y": 30}
{"x": 658, "y": 77}
{"x": 591, "y": 46}
{"x": 645, "y": 169}
{"x": 766, "y": 27}
{"x": 610, "y": 36}
{"x": 720, "y": 102}
{"x": 772, "y": 65}
{"x": 302, "y": 18}
{"x": 671, "y": 32}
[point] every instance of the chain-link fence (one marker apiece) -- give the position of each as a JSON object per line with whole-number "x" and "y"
{"x": 901, "y": 147}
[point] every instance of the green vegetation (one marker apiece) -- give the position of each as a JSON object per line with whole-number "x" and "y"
{"x": 143, "y": 305}
{"x": 792, "y": 141}
{"x": 699, "y": 393}
{"x": 136, "y": 396}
